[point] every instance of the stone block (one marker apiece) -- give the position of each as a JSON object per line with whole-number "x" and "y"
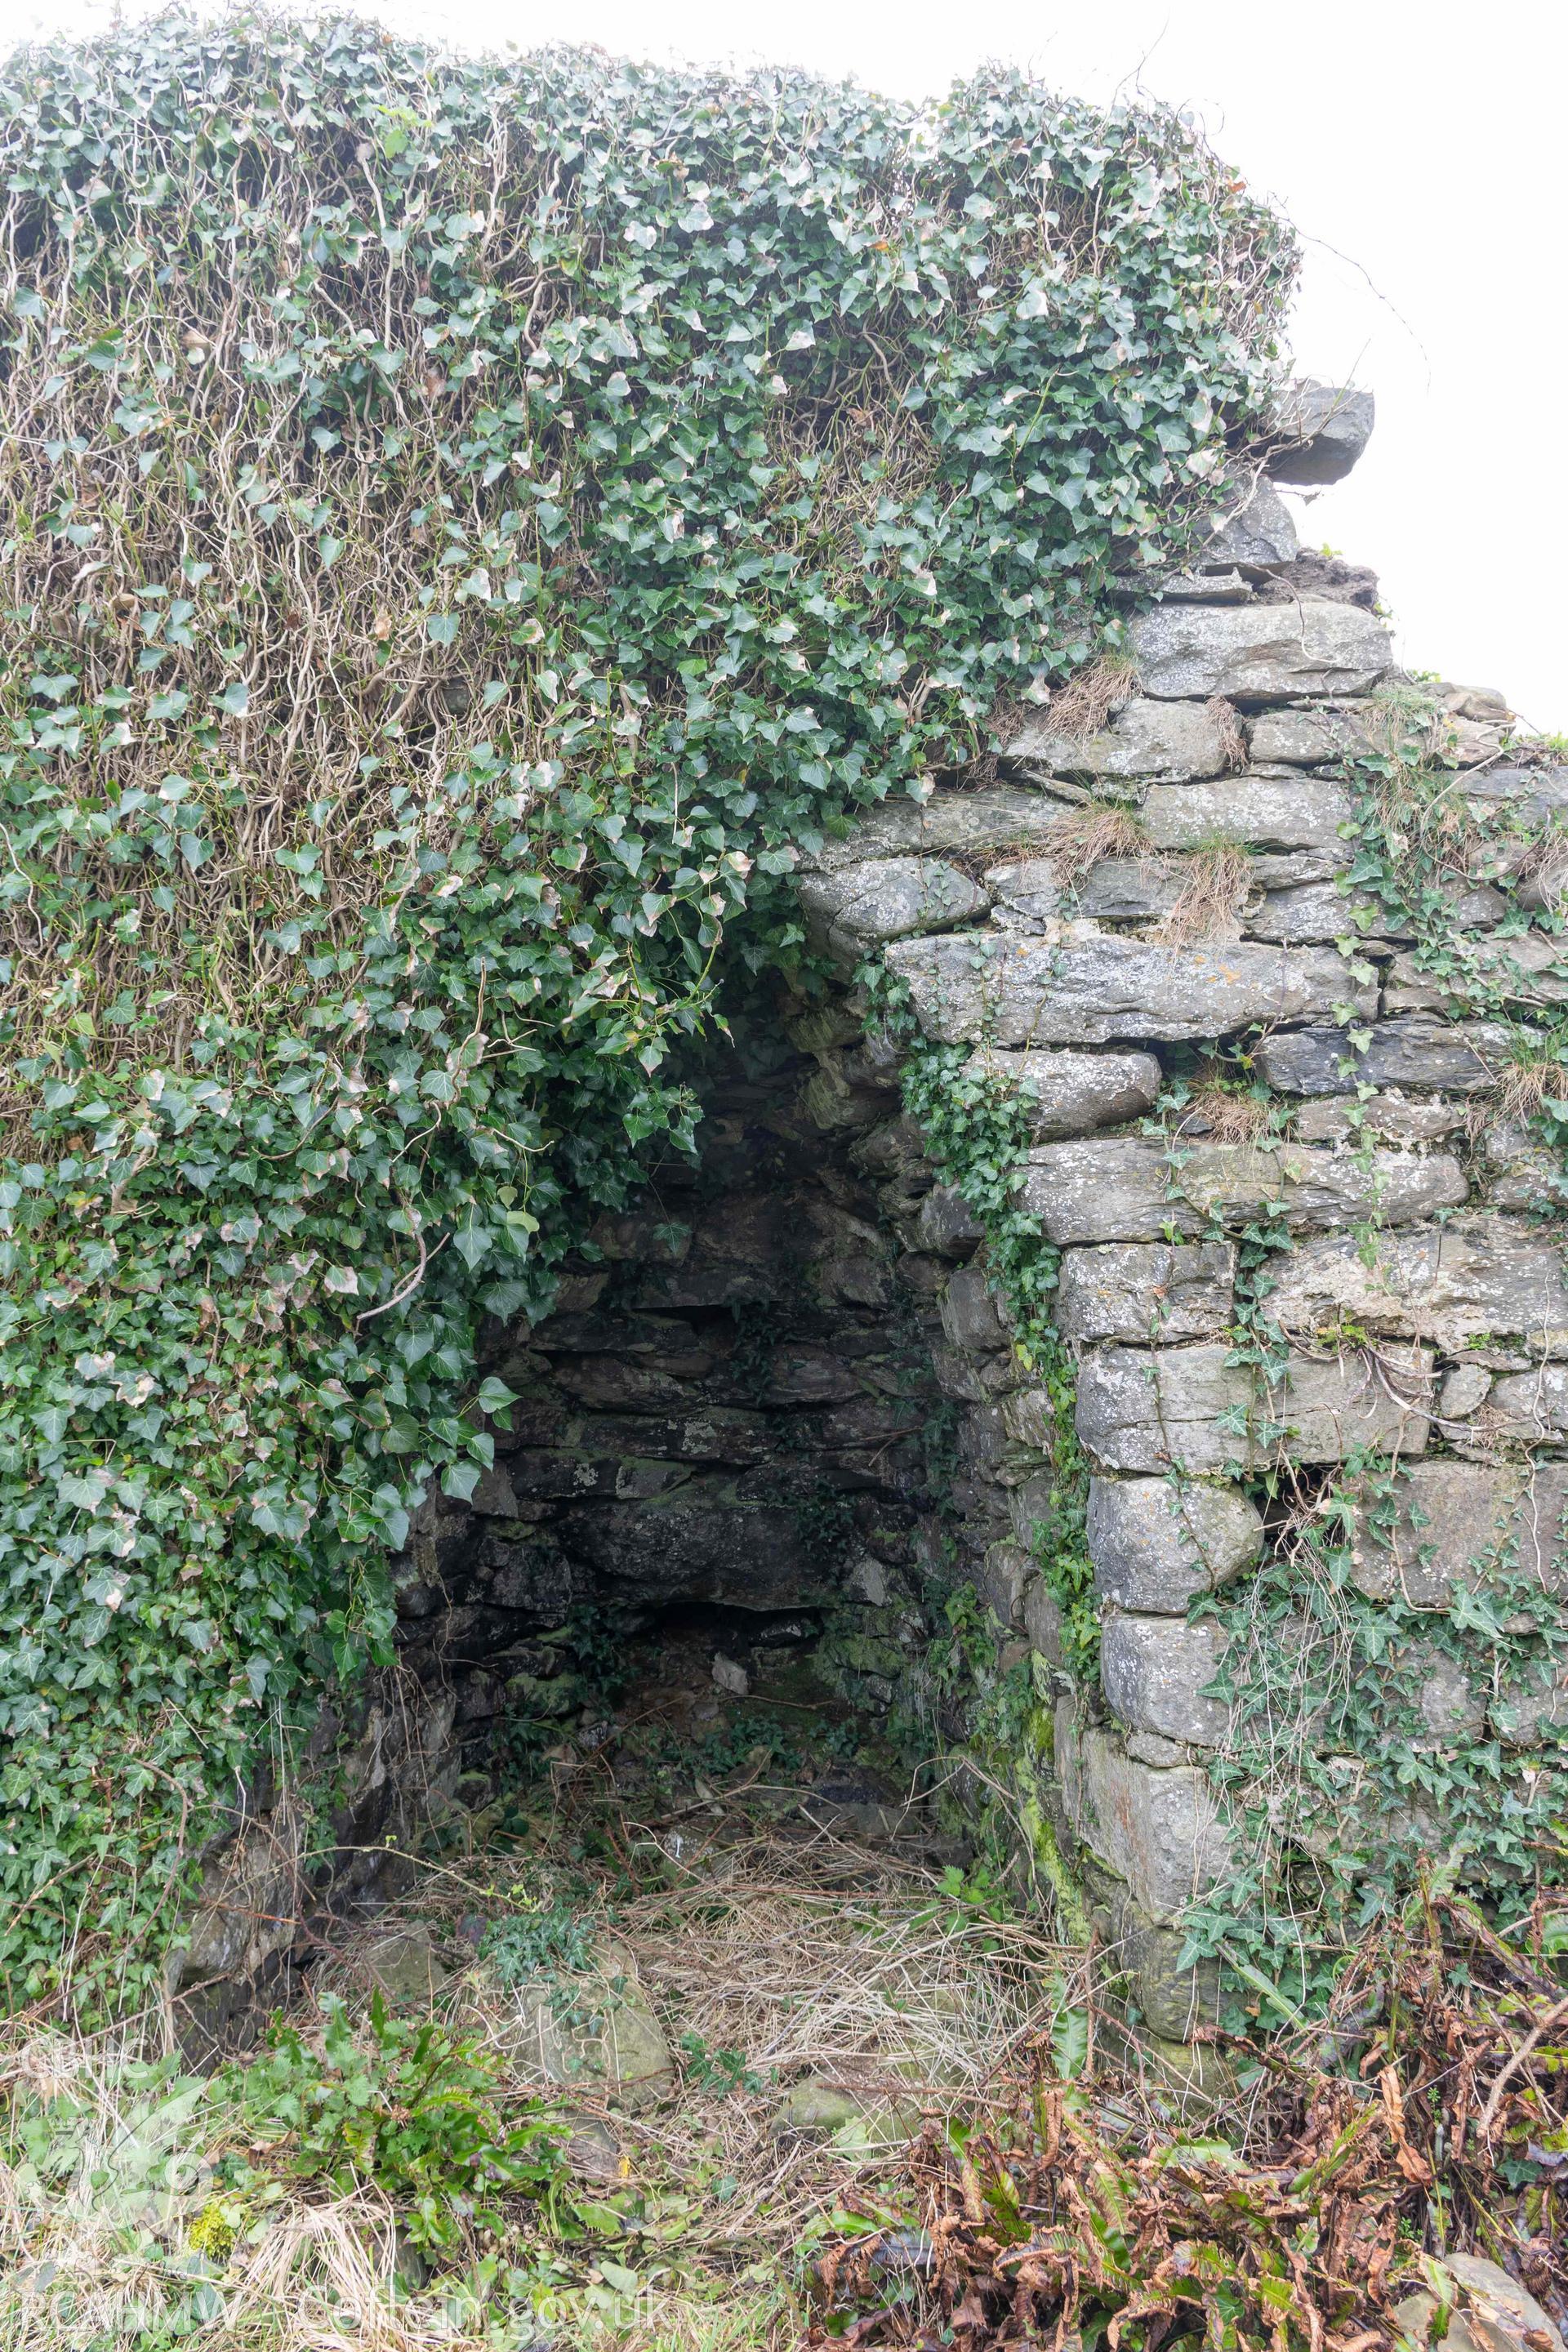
{"x": 1141, "y": 1292}
{"x": 970, "y": 1314}
{"x": 1155, "y": 1671}
{"x": 1021, "y": 991}
{"x": 1259, "y": 653}
{"x": 1345, "y": 1118}
{"x": 947, "y": 1223}
{"x": 1255, "y": 535}
{"x": 1324, "y": 428}
{"x": 1144, "y": 743}
{"x": 1418, "y": 1049}
{"x": 1026, "y": 894}
{"x": 1291, "y": 814}
{"x": 1029, "y": 1506}
{"x": 1153, "y": 1410}
{"x": 1160, "y": 1831}
{"x": 854, "y": 908}
{"x": 1461, "y": 1526}
{"x": 1028, "y": 1418}
{"x": 1313, "y": 735}
{"x": 1531, "y": 1407}
{"x": 1128, "y": 890}
{"x": 1068, "y": 1094}
{"x": 1006, "y": 1571}
{"x": 1001, "y": 818}
{"x": 1156, "y": 1545}
{"x": 1042, "y": 1621}
{"x": 1479, "y": 1276}
{"x": 1116, "y": 1188}
{"x": 1528, "y": 1705}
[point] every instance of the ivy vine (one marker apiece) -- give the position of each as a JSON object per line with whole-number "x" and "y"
{"x": 466, "y": 525}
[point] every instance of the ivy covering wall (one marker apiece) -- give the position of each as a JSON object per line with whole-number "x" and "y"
{"x": 464, "y": 524}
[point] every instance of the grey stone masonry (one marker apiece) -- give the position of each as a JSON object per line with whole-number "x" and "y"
{"x": 1481, "y": 1284}
{"x": 1157, "y": 1544}
{"x": 1145, "y": 1292}
{"x": 1155, "y": 1671}
{"x": 1132, "y": 1189}
{"x": 1159, "y": 1830}
{"x": 1087, "y": 992}
{"x": 1420, "y": 1049}
{"x": 1067, "y": 1094}
{"x": 1259, "y": 653}
{"x": 1192, "y": 1409}
{"x": 1146, "y": 742}
{"x": 1222, "y": 1053}
{"x": 856, "y": 906}
{"x": 1463, "y": 1525}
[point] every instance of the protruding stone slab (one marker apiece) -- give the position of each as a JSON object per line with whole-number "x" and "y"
{"x": 1419, "y": 1049}
{"x": 1146, "y": 742}
{"x": 1021, "y": 991}
{"x": 1259, "y": 813}
{"x": 970, "y": 1314}
{"x": 1131, "y": 1188}
{"x": 1153, "y": 1410}
{"x": 1462, "y": 1526}
{"x": 1160, "y": 1831}
{"x": 887, "y": 898}
{"x": 1326, "y": 425}
{"x": 1067, "y": 1094}
{"x": 1156, "y": 1544}
{"x": 1453, "y": 1285}
{"x": 1155, "y": 1672}
{"x": 1259, "y": 653}
{"x": 1145, "y": 1292}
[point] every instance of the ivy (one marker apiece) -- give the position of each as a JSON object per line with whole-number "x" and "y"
{"x": 468, "y": 526}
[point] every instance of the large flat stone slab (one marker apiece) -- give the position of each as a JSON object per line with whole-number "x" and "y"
{"x": 1461, "y": 1526}
{"x": 1157, "y": 1543}
{"x": 1132, "y": 1189}
{"x": 1259, "y": 653}
{"x": 1140, "y": 1292}
{"x": 1067, "y": 1094}
{"x": 1002, "y": 817}
{"x": 1146, "y": 742}
{"x": 1161, "y": 1833}
{"x": 1259, "y": 813}
{"x": 1025, "y": 992}
{"x": 1418, "y": 1049}
{"x": 1155, "y": 1672}
{"x": 1314, "y": 735}
{"x": 856, "y": 906}
{"x": 1153, "y": 1410}
{"x": 1452, "y": 1285}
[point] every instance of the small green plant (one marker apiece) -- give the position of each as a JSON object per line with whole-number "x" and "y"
{"x": 529, "y": 1944}
{"x": 409, "y": 2109}
{"x": 718, "y": 2070}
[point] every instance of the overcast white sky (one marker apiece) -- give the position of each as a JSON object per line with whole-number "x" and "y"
{"x": 1419, "y": 149}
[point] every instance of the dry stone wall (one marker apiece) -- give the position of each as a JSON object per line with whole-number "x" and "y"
{"x": 1120, "y": 917}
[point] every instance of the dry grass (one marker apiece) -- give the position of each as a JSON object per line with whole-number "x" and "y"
{"x": 1082, "y": 837}
{"x": 1216, "y": 885}
{"x": 1082, "y": 705}
{"x": 1232, "y": 741}
{"x": 814, "y": 1958}
{"x": 1225, "y": 1114}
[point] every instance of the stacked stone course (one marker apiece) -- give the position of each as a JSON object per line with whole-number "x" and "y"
{"x": 1421, "y": 1292}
